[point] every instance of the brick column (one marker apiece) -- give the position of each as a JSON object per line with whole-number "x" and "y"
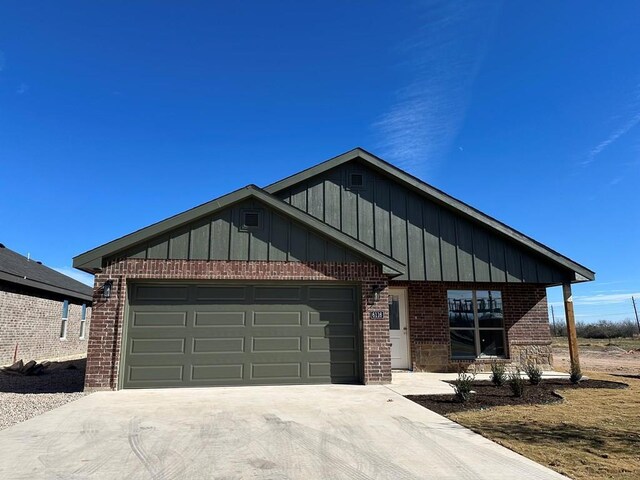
{"x": 377, "y": 345}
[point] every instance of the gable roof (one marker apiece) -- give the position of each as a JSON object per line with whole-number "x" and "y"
{"x": 92, "y": 260}
{"x": 19, "y": 270}
{"x": 582, "y": 273}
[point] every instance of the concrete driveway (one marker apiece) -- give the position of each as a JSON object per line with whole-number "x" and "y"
{"x": 306, "y": 432}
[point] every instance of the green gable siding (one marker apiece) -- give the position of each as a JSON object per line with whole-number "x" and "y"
{"x": 434, "y": 242}
{"x": 219, "y": 237}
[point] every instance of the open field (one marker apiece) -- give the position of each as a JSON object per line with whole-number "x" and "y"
{"x": 616, "y": 355}
{"x": 592, "y": 434}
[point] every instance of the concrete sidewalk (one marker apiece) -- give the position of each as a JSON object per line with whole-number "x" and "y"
{"x": 305, "y": 432}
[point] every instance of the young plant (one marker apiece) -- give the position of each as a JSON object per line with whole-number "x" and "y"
{"x": 575, "y": 373}
{"x": 516, "y": 383}
{"x": 498, "y": 374}
{"x": 534, "y": 372}
{"x": 462, "y": 385}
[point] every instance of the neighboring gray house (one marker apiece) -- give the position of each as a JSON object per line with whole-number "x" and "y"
{"x": 43, "y": 313}
{"x": 339, "y": 273}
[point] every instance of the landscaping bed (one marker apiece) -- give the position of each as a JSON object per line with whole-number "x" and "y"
{"x": 487, "y": 395}
{"x": 24, "y": 397}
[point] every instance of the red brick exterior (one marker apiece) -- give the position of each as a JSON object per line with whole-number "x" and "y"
{"x": 525, "y": 315}
{"x": 31, "y": 320}
{"x": 108, "y": 315}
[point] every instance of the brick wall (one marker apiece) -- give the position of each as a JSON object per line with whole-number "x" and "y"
{"x": 31, "y": 320}
{"x": 525, "y": 316}
{"x": 108, "y": 315}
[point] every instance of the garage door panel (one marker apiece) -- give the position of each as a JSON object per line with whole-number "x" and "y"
{"x": 155, "y": 373}
{"x": 221, "y": 293}
{"x": 218, "y": 345}
{"x": 344, "y": 370}
{"x": 277, "y": 344}
{"x": 217, "y": 374}
{"x": 146, "y": 346}
{"x": 277, "y": 293}
{"x": 160, "y": 293}
{"x": 220, "y": 319}
{"x": 332, "y": 293}
{"x": 274, "y": 371}
{"x": 332, "y": 343}
{"x": 277, "y": 319}
{"x": 159, "y": 319}
{"x": 332, "y": 318}
{"x": 237, "y": 335}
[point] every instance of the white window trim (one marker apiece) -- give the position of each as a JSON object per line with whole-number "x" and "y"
{"x": 64, "y": 325}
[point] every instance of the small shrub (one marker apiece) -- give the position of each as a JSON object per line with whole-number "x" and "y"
{"x": 498, "y": 374}
{"x": 516, "y": 382}
{"x": 462, "y": 385}
{"x": 534, "y": 372}
{"x": 575, "y": 373}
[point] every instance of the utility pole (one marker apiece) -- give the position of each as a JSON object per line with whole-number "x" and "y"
{"x": 635, "y": 310}
{"x": 553, "y": 317}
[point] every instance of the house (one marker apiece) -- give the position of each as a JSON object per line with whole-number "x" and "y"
{"x": 43, "y": 313}
{"x": 339, "y": 273}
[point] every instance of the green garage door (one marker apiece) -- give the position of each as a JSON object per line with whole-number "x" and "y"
{"x": 183, "y": 335}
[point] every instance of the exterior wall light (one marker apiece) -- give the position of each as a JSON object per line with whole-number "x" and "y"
{"x": 106, "y": 289}
{"x": 376, "y": 289}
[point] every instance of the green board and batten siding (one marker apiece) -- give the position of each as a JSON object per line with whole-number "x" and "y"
{"x": 220, "y": 237}
{"x": 190, "y": 335}
{"x": 433, "y": 242}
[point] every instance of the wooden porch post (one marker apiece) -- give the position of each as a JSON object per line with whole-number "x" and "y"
{"x": 571, "y": 325}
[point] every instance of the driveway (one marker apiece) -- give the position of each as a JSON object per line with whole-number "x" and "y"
{"x": 306, "y": 432}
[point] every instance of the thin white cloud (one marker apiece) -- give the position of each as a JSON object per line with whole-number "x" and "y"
{"x": 621, "y": 131}
{"x": 605, "y": 298}
{"x": 76, "y": 275}
{"x": 443, "y": 60}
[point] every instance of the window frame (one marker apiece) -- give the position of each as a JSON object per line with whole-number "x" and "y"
{"x": 64, "y": 323}
{"x": 477, "y": 328}
{"x": 83, "y": 322}
{"x": 251, "y": 228}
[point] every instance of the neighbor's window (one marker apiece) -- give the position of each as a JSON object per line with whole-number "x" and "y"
{"x": 65, "y": 318}
{"x": 83, "y": 321}
{"x": 476, "y": 324}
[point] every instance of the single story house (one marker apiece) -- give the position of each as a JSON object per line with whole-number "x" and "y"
{"x": 43, "y": 313}
{"x": 337, "y": 274}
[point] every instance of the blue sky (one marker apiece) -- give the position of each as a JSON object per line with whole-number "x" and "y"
{"x": 528, "y": 111}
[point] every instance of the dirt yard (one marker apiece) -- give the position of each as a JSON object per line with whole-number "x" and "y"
{"x": 616, "y": 356}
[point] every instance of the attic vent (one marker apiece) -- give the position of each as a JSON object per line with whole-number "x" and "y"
{"x": 39, "y": 263}
{"x": 356, "y": 180}
{"x": 251, "y": 220}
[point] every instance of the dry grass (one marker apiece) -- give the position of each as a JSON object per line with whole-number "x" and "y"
{"x": 600, "y": 344}
{"x": 593, "y": 434}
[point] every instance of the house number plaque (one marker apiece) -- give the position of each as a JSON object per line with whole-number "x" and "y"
{"x": 376, "y": 315}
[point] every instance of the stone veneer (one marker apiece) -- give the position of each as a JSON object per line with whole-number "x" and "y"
{"x": 525, "y": 315}
{"x": 105, "y": 339}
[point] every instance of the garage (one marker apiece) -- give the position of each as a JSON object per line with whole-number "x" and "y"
{"x": 208, "y": 334}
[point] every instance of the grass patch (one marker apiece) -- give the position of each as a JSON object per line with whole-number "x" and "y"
{"x": 600, "y": 344}
{"x": 593, "y": 434}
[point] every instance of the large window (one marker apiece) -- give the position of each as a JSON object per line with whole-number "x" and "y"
{"x": 476, "y": 324}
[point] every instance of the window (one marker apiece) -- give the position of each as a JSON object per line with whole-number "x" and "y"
{"x": 251, "y": 220}
{"x": 476, "y": 324}
{"x": 65, "y": 319}
{"x": 83, "y": 321}
{"x": 356, "y": 180}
